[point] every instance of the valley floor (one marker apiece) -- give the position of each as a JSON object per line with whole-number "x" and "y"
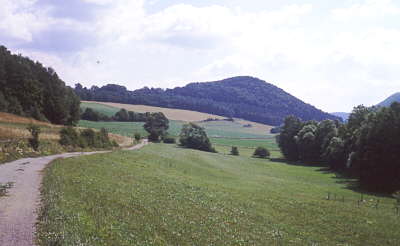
{"x": 166, "y": 195}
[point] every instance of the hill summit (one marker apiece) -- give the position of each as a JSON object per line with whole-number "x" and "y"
{"x": 388, "y": 101}
{"x": 241, "y": 97}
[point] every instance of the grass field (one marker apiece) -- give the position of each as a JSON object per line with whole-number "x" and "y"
{"x": 104, "y": 109}
{"x": 165, "y": 195}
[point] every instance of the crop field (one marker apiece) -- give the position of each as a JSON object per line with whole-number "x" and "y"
{"x": 166, "y": 195}
{"x": 172, "y": 114}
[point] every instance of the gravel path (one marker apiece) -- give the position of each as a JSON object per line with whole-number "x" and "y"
{"x": 18, "y": 209}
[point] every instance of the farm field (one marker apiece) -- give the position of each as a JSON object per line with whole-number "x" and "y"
{"x": 166, "y": 195}
{"x": 220, "y": 129}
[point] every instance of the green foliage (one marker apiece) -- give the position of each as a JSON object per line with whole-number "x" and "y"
{"x": 169, "y": 140}
{"x": 367, "y": 147}
{"x": 69, "y": 137}
{"x": 86, "y": 138}
{"x": 287, "y": 139}
{"x": 261, "y": 152}
{"x": 137, "y": 136}
{"x": 234, "y": 150}
{"x": 93, "y": 115}
{"x": 156, "y": 125}
{"x": 194, "y": 137}
{"x": 34, "y": 141}
{"x": 29, "y": 89}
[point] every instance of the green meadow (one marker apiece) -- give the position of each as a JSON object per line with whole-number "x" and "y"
{"x": 167, "y": 195}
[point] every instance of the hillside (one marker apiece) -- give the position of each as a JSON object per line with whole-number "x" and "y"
{"x": 388, "y": 101}
{"x": 241, "y": 97}
{"x": 27, "y": 88}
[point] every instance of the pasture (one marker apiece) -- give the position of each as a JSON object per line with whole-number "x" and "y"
{"x": 166, "y": 195}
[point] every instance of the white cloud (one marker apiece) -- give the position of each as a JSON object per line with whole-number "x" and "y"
{"x": 20, "y": 20}
{"x": 366, "y": 9}
{"x": 332, "y": 64}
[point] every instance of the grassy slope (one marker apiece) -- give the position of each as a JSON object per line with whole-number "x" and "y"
{"x": 164, "y": 195}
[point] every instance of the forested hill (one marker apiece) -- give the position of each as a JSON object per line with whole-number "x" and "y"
{"x": 242, "y": 97}
{"x": 388, "y": 101}
{"x": 29, "y": 89}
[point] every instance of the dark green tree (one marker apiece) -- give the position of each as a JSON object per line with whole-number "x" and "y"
{"x": 156, "y": 125}
{"x": 286, "y": 139}
{"x": 261, "y": 152}
{"x": 194, "y": 137}
{"x": 234, "y": 150}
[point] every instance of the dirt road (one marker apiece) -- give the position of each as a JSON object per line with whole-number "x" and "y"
{"x": 18, "y": 209}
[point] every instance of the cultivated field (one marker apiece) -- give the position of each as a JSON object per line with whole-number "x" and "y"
{"x": 217, "y": 129}
{"x": 166, "y": 195}
{"x": 176, "y": 115}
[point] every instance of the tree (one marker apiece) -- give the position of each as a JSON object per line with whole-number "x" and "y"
{"x": 156, "y": 125}
{"x": 261, "y": 152}
{"x": 335, "y": 154}
{"x": 286, "y": 139}
{"x": 122, "y": 115}
{"x": 234, "y": 150}
{"x": 194, "y": 137}
{"x": 306, "y": 143}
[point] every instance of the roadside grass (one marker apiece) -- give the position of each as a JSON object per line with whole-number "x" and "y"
{"x": 166, "y": 195}
{"x": 14, "y": 139}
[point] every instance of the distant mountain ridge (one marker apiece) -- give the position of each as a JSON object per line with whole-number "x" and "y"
{"x": 388, "y": 101}
{"x": 241, "y": 97}
{"x": 343, "y": 115}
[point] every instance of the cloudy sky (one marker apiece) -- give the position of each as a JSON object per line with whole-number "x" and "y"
{"x": 332, "y": 54}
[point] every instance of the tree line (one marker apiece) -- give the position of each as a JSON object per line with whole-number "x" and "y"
{"x": 241, "y": 97}
{"x": 27, "y": 88}
{"x": 122, "y": 115}
{"x": 367, "y": 147}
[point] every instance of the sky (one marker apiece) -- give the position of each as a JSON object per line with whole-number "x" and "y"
{"x": 332, "y": 54}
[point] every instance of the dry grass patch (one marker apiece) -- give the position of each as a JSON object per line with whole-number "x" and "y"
{"x": 11, "y": 118}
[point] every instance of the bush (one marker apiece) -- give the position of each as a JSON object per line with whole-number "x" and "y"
{"x": 234, "y": 150}
{"x": 87, "y": 138}
{"x": 194, "y": 137}
{"x": 68, "y": 136}
{"x": 34, "y": 141}
{"x": 169, "y": 140}
{"x": 261, "y": 152}
{"x": 137, "y": 136}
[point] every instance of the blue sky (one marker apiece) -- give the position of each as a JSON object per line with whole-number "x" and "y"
{"x": 332, "y": 54}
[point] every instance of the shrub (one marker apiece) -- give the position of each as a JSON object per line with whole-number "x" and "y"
{"x": 234, "y": 150}
{"x": 68, "y": 136}
{"x": 137, "y": 136}
{"x": 194, "y": 137}
{"x": 34, "y": 141}
{"x": 261, "y": 152}
{"x": 89, "y": 136}
{"x": 169, "y": 140}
